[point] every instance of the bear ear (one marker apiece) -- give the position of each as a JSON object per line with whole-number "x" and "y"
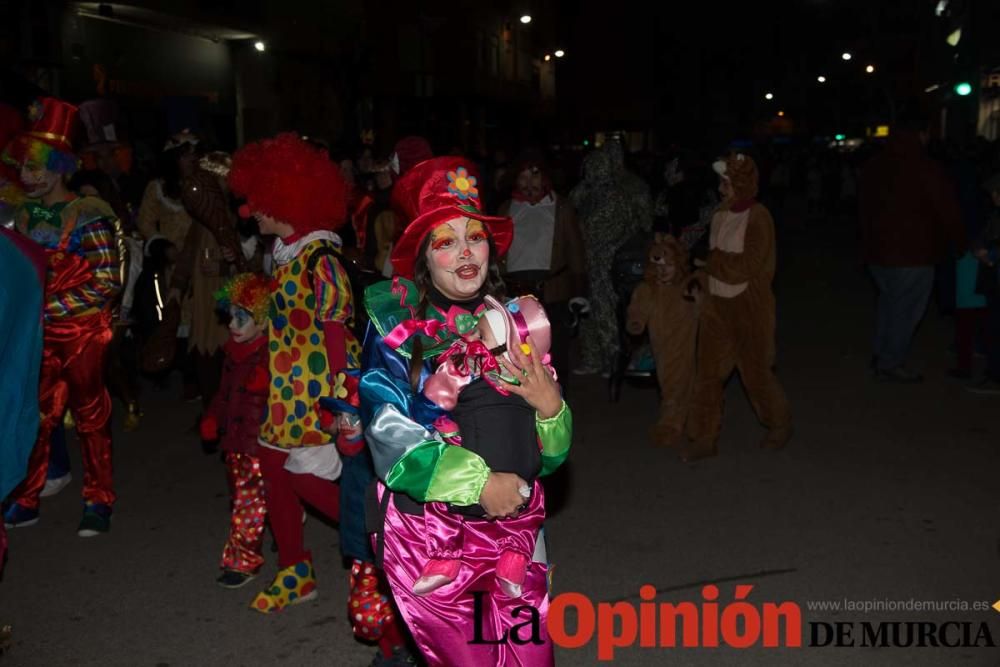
{"x": 658, "y": 237}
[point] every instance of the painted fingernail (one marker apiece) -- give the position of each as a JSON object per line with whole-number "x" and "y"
{"x": 526, "y": 349}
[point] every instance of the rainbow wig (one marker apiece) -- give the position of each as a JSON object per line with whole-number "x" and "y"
{"x": 24, "y": 149}
{"x": 248, "y": 291}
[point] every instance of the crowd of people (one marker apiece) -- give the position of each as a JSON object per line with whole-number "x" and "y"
{"x": 390, "y": 342}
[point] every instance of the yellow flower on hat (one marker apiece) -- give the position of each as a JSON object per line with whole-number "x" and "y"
{"x": 462, "y": 184}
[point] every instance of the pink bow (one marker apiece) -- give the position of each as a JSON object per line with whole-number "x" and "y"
{"x": 405, "y": 330}
{"x": 470, "y": 358}
{"x": 443, "y": 387}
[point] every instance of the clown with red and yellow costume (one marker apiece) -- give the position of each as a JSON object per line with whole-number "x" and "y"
{"x": 308, "y": 439}
{"x": 80, "y": 236}
{"x": 297, "y": 194}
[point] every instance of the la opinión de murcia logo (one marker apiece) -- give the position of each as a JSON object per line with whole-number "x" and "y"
{"x": 736, "y": 623}
{"x": 713, "y": 622}
{"x": 901, "y": 634}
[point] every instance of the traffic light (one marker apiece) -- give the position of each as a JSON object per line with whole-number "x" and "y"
{"x": 963, "y": 88}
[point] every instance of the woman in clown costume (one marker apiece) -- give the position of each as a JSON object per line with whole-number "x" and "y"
{"x": 446, "y": 265}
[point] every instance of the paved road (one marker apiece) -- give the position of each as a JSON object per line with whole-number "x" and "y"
{"x": 886, "y": 492}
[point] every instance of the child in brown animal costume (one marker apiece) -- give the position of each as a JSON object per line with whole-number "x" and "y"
{"x": 737, "y": 316}
{"x": 660, "y": 303}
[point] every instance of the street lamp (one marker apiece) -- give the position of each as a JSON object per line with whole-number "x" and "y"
{"x": 870, "y": 69}
{"x": 260, "y": 46}
{"x": 821, "y": 78}
{"x": 526, "y": 19}
{"x": 560, "y": 53}
{"x": 845, "y": 55}
{"x": 781, "y": 113}
{"x": 548, "y": 57}
{"x": 769, "y": 96}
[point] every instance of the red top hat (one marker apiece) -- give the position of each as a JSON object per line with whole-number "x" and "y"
{"x": 53, "y": 122}
{"x": 435, "y": 191}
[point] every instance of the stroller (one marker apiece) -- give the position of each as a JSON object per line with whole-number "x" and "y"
{"x": 634, "y": 360}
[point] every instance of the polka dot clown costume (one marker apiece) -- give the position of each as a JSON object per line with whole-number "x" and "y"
{"x": 297, "y": 193}
{"x": 233, "y": 418}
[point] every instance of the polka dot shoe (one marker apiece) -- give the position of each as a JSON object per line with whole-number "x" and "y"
{"x": 295, "y": 584}
{"x": 367, "y": 607}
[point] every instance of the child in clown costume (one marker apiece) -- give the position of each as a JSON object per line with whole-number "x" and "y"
{"x": 296, "y": 193}
{"x": 234, "y": 413}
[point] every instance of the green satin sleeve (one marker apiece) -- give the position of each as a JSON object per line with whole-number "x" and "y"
{"x": 436, "y": 471}
{"x": 555, "y": 435}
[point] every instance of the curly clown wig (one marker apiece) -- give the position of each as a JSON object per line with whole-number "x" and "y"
{"x": 24, "y": 150}
{"x": 291, "y": 181}
{"x": 248, "y": 291}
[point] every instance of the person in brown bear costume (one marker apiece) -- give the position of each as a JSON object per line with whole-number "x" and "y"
{"x": 660, "y": 304}
{"x": 737, "y": 318}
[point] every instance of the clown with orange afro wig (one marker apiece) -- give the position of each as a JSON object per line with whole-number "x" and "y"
{"x": 296, "y": 193}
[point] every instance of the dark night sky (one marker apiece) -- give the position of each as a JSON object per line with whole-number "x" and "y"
{"x": 712, "y": 63}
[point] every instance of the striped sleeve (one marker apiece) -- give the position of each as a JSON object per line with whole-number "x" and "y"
{"x": 99, "y": 250}
{"x": 332, "y": 288}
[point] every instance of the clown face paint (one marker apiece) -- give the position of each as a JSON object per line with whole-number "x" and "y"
{"x": 242, "y": 327}
{"x": 38, "y": 181}
{"x": 458, "y": 256}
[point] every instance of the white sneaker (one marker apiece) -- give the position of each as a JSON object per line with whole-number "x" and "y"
{"x": 54, "y": 486}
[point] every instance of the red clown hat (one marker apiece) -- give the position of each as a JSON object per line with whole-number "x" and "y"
{"x": 49, "y": 137}
{"x": 53, "y": 122}
{"x": 433, "y": 192}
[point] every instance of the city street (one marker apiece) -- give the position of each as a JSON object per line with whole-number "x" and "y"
{"x": 886, "y": 492}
